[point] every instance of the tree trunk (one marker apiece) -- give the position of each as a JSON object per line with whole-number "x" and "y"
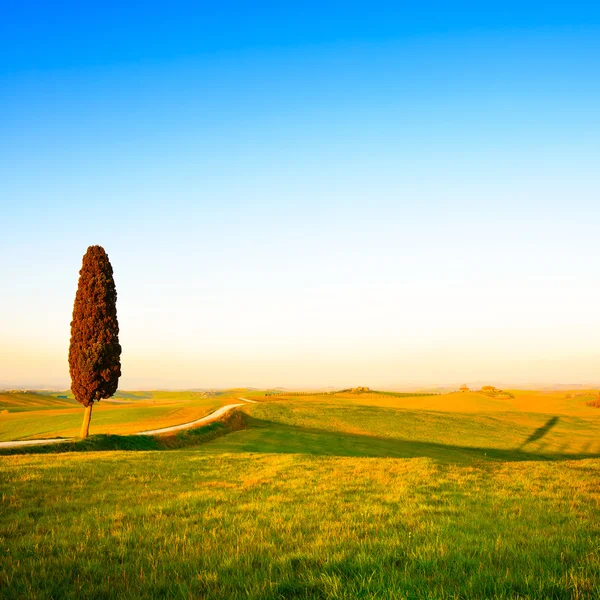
{"x": 87, "y": 417}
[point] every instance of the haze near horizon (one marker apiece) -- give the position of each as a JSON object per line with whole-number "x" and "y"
{"x": 305, "y": 197}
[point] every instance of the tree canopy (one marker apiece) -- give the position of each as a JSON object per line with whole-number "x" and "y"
{"x": 94, "y": 351}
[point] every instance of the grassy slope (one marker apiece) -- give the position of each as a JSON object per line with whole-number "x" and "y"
{"x": 183, "y": 524}
{"x": 351, "y": 429}
{"x": 23, "y": 401}
{"x": 307, "y": 502}
{"x": 39, "y": 416}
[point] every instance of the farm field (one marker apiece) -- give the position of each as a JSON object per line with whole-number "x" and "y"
{"x": 346, "y": 495}
{"x": 38, "y": 415}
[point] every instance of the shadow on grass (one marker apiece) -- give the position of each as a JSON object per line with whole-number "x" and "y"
{"x": 103, "y": 442}
{"x": 263, "y": 436}
{"x": 540, "y": 432}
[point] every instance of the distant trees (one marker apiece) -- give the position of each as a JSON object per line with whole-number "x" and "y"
{"x": 494, "y": 392}
{"x": 595, "y": 403}
{"x": 94, "y": 351}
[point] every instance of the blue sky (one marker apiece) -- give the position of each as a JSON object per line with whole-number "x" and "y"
{"x": 319, "y": 195}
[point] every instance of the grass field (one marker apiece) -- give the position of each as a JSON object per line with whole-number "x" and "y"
{"x": 342, "y": 496}
{"x": 30, "y": 416}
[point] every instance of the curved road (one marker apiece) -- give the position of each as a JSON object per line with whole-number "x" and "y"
{"x": 207, "y": 419}
{"x": 214, "y": 415}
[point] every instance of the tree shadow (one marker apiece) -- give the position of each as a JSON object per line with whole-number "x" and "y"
{"x": 540, "y": 432}
{"x": 263, "y": 436}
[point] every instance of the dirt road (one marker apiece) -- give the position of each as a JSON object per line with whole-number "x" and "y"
{"x": 207, "y": 419}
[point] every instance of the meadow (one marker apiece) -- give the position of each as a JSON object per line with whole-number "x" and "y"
{"x": 39, "y": 415}
{"x": 345, "y": 495}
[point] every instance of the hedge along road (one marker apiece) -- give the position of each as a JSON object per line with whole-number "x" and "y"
{"x": 207, "y": 419}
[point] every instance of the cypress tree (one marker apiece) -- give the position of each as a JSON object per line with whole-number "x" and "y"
{"x": 94, "y": 351}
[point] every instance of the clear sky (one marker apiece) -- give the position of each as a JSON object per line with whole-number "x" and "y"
{"x": 305, "y": 194}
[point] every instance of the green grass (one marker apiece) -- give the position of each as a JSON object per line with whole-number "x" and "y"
{"x": 12, "y": 402}
{"x": 184, "y": 524}
{"x": 324, "y": 497}
{"x": 184, "y": 438}
{"x": 356, "y": 430}
{"x": 43, "y": 416}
